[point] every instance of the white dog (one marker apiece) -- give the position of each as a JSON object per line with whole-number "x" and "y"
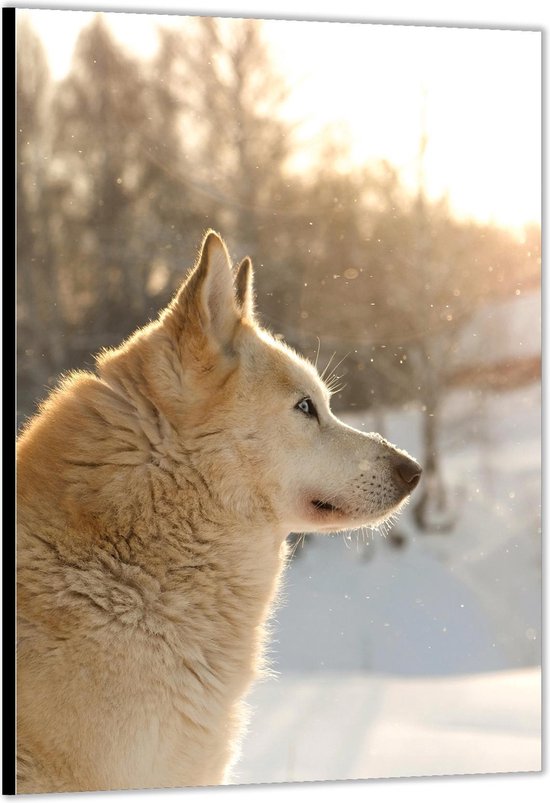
{"x": 154, "y": 500}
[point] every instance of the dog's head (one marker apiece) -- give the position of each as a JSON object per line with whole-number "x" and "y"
{"x": 255, "y": 416}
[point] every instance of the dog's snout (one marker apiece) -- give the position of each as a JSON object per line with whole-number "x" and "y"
{"x": 407, "y": 473}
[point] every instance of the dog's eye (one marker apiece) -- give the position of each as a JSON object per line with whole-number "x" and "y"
{"x": 307, "y": 407}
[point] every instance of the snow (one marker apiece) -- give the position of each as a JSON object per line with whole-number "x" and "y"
{"x": 342, "y": 726}
{"x": 403, "y": 614}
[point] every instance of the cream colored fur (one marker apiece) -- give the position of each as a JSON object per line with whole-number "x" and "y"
{"x": 154, "y": 498}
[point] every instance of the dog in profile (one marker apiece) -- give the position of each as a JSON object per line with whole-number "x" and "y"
{"x": 154, "y": 499}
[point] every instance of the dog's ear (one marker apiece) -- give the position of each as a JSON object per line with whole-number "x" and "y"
{"x": 244, "y": 287}
{"x": 216, "y": 296}
{"x": 205, "y": 304}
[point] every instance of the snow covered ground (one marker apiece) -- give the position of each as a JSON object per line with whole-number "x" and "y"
{"x": 341, "y": 726}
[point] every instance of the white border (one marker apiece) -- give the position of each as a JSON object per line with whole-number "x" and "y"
{"x": 530, "y": 14}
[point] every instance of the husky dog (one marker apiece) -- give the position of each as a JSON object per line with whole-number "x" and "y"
{"x": 154, "y": 498}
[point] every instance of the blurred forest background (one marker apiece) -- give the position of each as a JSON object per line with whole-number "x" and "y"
{"x": 124, "y": 163}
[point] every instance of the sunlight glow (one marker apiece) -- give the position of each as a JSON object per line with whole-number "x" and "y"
{"x": 476, "y": 92}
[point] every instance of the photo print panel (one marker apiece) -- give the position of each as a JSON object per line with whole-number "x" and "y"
{"x": 279, "y": 401}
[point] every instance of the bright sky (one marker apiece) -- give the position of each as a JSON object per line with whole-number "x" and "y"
{"x": 482, "y": 91}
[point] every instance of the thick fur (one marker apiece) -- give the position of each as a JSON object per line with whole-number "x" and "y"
{"x": 154, "y": 498}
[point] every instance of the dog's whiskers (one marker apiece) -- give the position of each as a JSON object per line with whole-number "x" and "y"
{"x": 333, "y": 390}
{"x": 318, "y": 350}
{"x": 333, "y": 370}
{"x": 327, "y": 365}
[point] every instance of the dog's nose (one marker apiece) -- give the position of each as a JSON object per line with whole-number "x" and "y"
{"x": 407, "y": 473}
